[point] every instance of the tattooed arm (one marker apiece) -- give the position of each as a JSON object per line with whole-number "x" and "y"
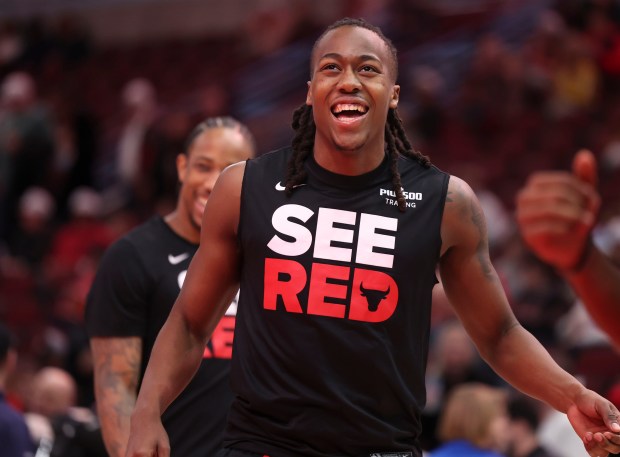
{"x": 117, "y": 369}
{"x": 474, "y": 290}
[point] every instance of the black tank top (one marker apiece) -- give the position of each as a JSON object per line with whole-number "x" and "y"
{"x": 332, "y": 331}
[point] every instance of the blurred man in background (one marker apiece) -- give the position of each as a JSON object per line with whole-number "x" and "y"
{"x": 137, "y": 283}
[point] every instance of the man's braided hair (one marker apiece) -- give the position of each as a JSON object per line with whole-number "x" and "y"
{"x": 219, "y": 122}
{"x": 395, "y": 137}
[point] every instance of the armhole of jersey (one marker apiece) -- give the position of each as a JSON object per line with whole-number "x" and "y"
{"x": 242, "y": 202}
{"x": 442, "y": 206}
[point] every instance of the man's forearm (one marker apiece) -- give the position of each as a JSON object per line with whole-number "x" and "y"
{"x": 174, "y": 360}
{"x": 114, "y": 413}
{"x": 117, "y": 369}
{"x": 522, "y": 361}
{"x": 597, "y": 283}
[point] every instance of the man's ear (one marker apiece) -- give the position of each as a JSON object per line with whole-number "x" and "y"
{"x": 309, "y": 94}
{"x": 395, "y": 96}
{"x": 182, "y": 167}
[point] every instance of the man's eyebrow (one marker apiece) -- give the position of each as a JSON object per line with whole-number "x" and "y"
{"x": 203, "y": 158}
{"x": 363, "y": 57}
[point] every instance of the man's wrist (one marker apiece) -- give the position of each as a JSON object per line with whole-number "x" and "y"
{"x": 142, "y": 412}
{"x": 582, "y": 260}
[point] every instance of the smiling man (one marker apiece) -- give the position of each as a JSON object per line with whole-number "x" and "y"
{"x": 136, "y": 285}
{"x": 336, "y": 273}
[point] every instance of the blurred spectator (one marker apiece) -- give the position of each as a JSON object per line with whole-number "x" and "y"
{"x": 11, "y": 45}
{"x": 575, "y": 78}
{"x": 453, "y": 361}
{"x": 85, "y": 235}
{"x": 173, "y": 128}
{"x": 483, "y": 434}
{"x": 524, "y": 421}
{"x": 26, "y": 147}
{"x": 75, "y": 134}
{"x": 486, "y": 82}
{"x": 428, "y": 117}
{"x": 541, "y": 49}
{"x": 123, "y": 168}
{"x": 134, "y": 154}
{"x": 271, "y": 26}
{"x": 75, "y": 431}
{"x": 604, "y": 35}
{"x": 30, "y": 240}
{"x": 213, "y": 100}
{"x": 15, "y": 440}
{"x": 53, "y": 392}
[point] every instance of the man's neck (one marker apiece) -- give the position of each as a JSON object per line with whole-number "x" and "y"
{"x": 351, "y": 163}
{"x": 182, "y": 226}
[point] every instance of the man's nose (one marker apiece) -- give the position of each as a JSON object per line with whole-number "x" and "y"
{"x": 209, "y": 181}
{"x": 349, "y": 81}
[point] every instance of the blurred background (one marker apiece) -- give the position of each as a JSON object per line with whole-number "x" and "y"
{"x": 97, "y": 97}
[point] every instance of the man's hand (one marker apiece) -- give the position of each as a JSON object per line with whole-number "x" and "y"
{"x": 147, "y": 438}
{"x": 595, "y": 420}
{"x": 556, "y": 211}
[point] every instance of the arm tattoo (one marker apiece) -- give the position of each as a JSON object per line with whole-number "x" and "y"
{"x": 467, "y": 208}
{"x": 117, "y": 371}
{"x": 482, "y": 250}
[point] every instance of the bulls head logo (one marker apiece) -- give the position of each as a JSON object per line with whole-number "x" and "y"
{"x": 373, "y": 297}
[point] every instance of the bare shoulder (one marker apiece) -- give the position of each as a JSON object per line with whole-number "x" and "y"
{"x": 223, "y": 205}
{"x": 463, "y": 218}
{"x": 231, "y": 177}
{"x": 459, "y": 194}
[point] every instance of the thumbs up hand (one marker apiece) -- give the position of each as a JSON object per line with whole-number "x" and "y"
{"x": 556, "y": 211}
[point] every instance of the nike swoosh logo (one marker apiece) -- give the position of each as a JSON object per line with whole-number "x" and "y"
{"x": 280, "y": 187}
{"x": 176, "y": 259}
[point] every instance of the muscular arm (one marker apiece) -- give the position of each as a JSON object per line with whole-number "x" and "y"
{"x": 474, "y": 290}
{"x": 117, "y": 370}
{"x": 210, "y": 285}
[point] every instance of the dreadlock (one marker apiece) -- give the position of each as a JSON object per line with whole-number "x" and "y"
{"x": 397, "y": 143}
{"x": 219, "y": 122}
{"x": 303, "y": 145}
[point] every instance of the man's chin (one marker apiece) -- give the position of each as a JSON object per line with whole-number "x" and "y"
{"x": 197, "y": 222}
{"x": 352, "y": 145}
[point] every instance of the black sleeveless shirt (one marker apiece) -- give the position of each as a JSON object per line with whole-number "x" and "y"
{"x": 332, "y": 331}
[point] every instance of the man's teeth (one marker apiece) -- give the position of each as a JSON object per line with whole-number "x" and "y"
{"x": 202, "y": 201}
{"x": 349, "y": 107}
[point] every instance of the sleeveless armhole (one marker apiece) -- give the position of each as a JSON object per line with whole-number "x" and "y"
{"x": 442, "y": 206}
{"x": 242, "y": 202}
